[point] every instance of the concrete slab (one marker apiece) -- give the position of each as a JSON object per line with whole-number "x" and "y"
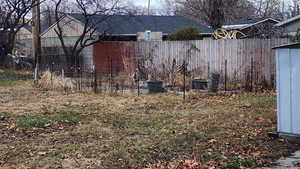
{"x": 292, "y": 162}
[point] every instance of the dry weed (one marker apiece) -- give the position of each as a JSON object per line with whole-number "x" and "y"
{"x": 52, "y": 81}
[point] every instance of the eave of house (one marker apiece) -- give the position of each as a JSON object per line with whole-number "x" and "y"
{"x": 245, "y": 26}
{"x": 286, "y": 22}
{"x": 53, "y": 25}
{"x": 241, "y": 26}
{"x": 265, "y": 20}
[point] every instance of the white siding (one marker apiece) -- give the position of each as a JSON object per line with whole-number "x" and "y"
{"x": 70, "y": 27}
{"x": 71, "y": 31}
{"x": 23, "y": 34}
{"x": 295, "y": 85}
{"x": 69, "y": 41}
{"x": 284, "y": 97}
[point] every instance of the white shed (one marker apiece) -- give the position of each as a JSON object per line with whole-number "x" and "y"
{"x": 288, "y": 88}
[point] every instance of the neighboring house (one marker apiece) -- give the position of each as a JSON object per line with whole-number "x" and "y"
{"x": 128, "y": 28}
{"x": 115, "y": 28}
{"x": 26, "y": 32}
{"x": 24, "y": 39}
{"x": 290, "y": 26}
{"x": 253, "y": 27}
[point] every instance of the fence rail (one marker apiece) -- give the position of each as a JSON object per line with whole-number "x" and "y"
{"x": 245, "y": 61}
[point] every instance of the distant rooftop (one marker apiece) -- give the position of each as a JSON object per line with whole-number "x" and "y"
{"x": 29, "y": 28}
{"x": 291, "y": 20}
{"x": 130, "y": 25}
{"x": 244, "y": 23}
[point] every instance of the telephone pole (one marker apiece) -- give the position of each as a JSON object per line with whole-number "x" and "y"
{"x": 36, "y": 40}
{"x": 149, "y": 1}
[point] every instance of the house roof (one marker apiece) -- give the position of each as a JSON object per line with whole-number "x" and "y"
{"x": 293, "y": 19}
{"x": 29, "y": 28}
{"x": 289, "y": 46}
{"x": 245, "y": 23}
{"x": 130, "y": 25}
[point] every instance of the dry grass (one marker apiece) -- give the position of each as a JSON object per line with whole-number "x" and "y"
{"x": 51, "y": 129}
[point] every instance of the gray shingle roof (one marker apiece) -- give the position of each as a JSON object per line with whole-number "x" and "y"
{"x": 126, "y": 24}
{"x": 246, "y": 21}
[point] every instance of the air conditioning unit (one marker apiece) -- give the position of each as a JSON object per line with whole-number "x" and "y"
{"x": 149, "y": 36}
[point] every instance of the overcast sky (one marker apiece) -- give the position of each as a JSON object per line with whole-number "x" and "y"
{"x": 159, "y": 3}
{"x": 156, "y": 4}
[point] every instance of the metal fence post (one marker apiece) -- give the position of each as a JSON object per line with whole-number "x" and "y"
{"x": 251, "y": 76}
{"x": 225, "y": 81}
{"x": 111, "y": 75}
{"x": 62, "y": 73}
{"x": 208, "y": 70}
{"x": 51, "y": 76}
{"x": 95, "y": 80}
{"x": 184, "y": 74}
{"x": 138, "y": 79}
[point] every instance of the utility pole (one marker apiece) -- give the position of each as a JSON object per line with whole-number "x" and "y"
{"x": 149, "y": 7}
{"x": 36, "y": 40}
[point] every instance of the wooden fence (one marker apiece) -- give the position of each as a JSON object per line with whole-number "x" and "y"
{"x": 240, "y": 62}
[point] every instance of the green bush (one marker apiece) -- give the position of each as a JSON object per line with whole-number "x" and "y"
{"x": 185, "y": 33}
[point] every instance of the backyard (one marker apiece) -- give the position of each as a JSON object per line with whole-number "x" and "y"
{"x": 42, "y": 128}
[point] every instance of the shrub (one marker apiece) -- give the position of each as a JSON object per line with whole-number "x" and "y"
{"x": 185, "y": 33}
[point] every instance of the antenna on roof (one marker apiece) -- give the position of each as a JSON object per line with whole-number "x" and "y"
{"x": 149, "y": 7}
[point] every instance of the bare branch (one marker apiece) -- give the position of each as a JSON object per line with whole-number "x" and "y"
{"x": 13, "y": 17}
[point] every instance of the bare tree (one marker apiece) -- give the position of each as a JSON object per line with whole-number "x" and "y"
{"x": 48, "y": 12}
{"x": 215, "y": 12}
{"x": 13, "y": 17}
{"x": 169, "y": 7}
{"x": 294, "y": 8}
{"x": 133, "y": 9}
{"x": 48, "y": 16}
{"x": 92, "y": 14}
{"x": 268, "y": 8}
{"x": 136, "y": 9}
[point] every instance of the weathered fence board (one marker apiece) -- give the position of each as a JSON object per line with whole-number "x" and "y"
{"x": 207, "y": 56}
{"x": 248, "y": 60}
